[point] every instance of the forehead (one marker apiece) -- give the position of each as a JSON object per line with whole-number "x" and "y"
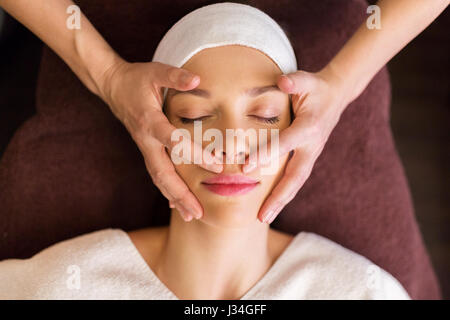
{"x": 232, "y": 68}
{"x": 249, "y": 92}
{"x": 232, "y": 62}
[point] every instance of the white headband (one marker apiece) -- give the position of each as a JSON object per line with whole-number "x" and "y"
{"x": 222, "y": 24}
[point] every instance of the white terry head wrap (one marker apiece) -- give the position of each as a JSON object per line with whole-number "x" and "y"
{"x": 225, "y": 24}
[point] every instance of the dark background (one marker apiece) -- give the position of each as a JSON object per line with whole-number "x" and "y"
{"x": 420, "y": 119}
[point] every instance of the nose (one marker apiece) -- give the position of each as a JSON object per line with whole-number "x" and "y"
{"x": 235, "y": 153}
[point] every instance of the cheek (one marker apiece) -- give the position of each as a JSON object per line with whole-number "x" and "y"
{"x": 186, "y": 172}
{"x": 192, "y": 175}
{"x": 271, "y": 180}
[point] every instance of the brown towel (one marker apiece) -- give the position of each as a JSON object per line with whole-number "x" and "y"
{"x": 73, "y": 168}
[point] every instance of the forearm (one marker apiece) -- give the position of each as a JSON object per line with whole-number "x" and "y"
{"x": 84, "y": 50}
{"x": 368, "y": 50}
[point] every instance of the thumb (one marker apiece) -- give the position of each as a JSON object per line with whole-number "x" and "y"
{"x": 296, "y": 82}
{"x": 172, "y": 77}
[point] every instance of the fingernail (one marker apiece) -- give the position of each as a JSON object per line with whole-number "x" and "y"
{"x": 273, "y": 216}
{"x": 186, "y": 78}
{"x": 184, "y": 214}
{"x": 192, "y": 212}
{"x": 289, "y": 81}
{"x": 187, "y": 217}
{"x": 268, "y": 215}
{"x": 195, "y": 214}
{"x": 277, "y": 212}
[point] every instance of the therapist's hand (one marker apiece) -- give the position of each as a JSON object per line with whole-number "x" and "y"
{"x": 318, "y": 100}
{"x": 134, "y": 92}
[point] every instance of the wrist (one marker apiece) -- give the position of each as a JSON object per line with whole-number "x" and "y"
{"x": 104, "y": 78}
{"x": 95, "y": 59}
{"x": 340, "y": 82}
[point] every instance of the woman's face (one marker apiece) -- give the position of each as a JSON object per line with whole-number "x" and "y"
{"x": 223, "y": 101}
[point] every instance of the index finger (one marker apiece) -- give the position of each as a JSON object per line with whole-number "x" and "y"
{"x": 288, "y": 140}
{"x": 163, "y": 131}
{"x": 168, "y": 181}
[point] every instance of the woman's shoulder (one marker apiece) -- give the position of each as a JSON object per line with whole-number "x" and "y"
{"x": 338, "y": 272}
{"x": 83, "y": 244}
{"x": 79, "y": 244}
{"x": 52, "y": 266}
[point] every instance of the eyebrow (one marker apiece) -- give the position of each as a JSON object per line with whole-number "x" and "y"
{"x": 252, "y": 92}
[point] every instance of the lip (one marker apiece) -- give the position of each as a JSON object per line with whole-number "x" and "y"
{"x": 230, "y": 185}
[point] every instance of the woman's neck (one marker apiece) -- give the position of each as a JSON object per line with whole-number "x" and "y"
{"x": 201, "y": 261}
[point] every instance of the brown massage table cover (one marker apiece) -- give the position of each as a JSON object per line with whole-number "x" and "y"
{"x": 72, "y": 168}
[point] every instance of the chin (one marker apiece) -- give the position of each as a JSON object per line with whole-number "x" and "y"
{"x": 230, "y": 213}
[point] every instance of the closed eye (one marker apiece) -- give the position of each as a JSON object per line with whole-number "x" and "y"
{"x": 271, "y": 120}
{"x": 268, "y": 120}
{"x": 191, "y": 120}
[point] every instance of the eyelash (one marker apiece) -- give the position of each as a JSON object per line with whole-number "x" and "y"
{"x": 267, "y": 120}
{"x": 187, "y": 120}
{"x": 270, "y": 120}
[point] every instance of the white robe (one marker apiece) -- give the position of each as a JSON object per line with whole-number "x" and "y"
{"x": 105, "y": 264}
